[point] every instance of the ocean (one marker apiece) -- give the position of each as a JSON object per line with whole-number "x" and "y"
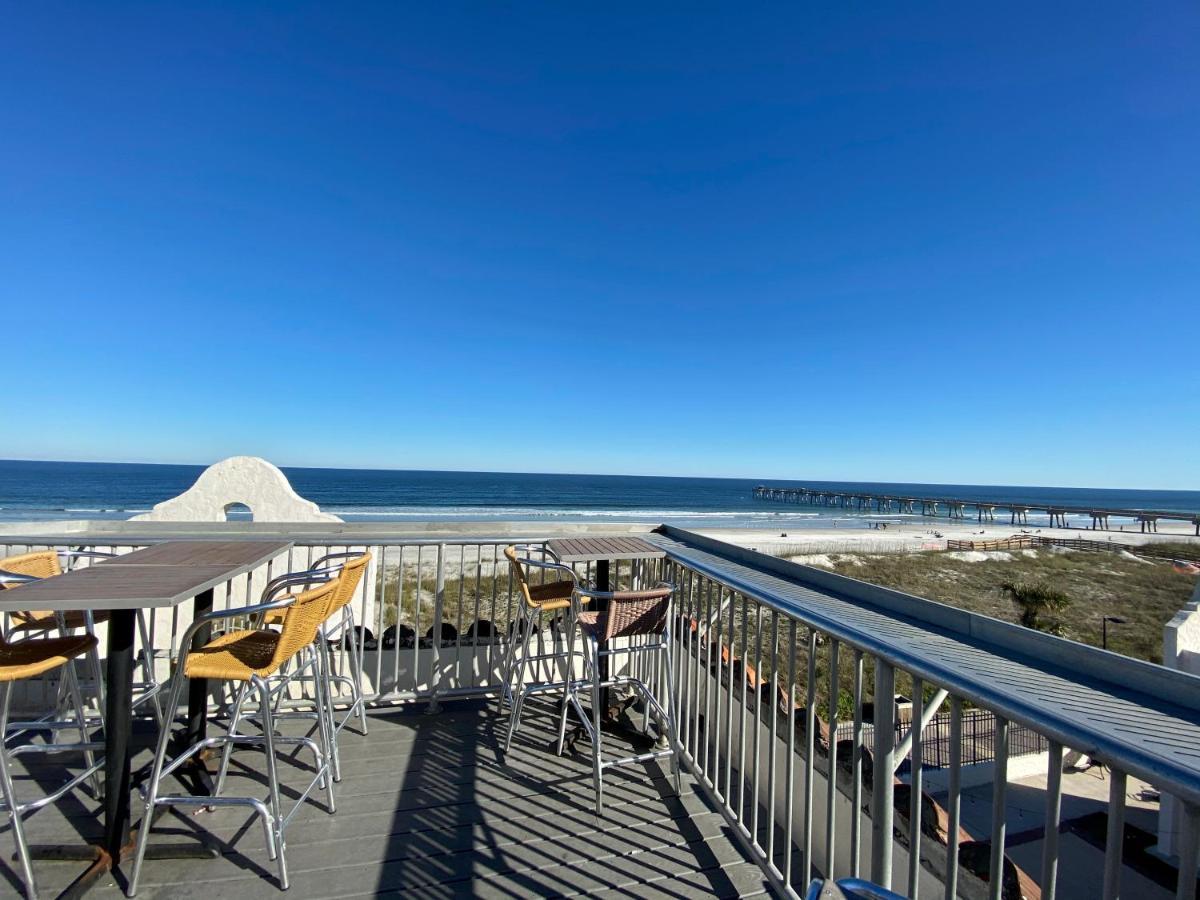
{"x": 34, "y": 491}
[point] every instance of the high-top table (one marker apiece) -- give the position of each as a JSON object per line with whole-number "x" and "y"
{"x": 161, "y": 576}
{"x": 602, "y": 551}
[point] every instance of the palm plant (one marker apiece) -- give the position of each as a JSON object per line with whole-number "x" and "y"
{"x": 1034, "y": 601}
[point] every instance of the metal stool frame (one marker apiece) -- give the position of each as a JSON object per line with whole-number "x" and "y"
{"x": 313, "y": 665}
{"x": 524, "y": 628}
{"x": 9, "y": 729}
{"x": 594, "y": 650}
{"x": 274, "y": 821}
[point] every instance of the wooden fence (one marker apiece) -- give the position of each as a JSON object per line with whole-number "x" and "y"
{"x": 1034, "y": 541}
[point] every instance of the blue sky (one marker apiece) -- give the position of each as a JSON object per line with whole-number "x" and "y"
{"x": 955, "y": 243}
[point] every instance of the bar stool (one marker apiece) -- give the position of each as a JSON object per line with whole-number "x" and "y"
{"x": 29, "y": 659}
{"x": 249, "y": 657}
{"x": 339, "y": 626}
{"x": 26, "y": 567}
{"x": 629, "y": 615}
{"x": 313, "y": 664}
{"x": 536, "y": 599}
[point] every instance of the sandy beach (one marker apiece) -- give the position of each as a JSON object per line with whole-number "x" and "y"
{"x": 910, "y": 536}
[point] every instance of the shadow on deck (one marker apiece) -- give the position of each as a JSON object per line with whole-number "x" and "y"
{"x": 429, "y": 806}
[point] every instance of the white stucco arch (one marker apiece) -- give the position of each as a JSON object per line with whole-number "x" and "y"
{"x": 248, "y": 480}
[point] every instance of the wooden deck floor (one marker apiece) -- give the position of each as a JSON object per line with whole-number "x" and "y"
{"x": 430, "y": 807}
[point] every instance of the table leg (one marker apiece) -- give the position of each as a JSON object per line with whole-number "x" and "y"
{"x": 611, "y": 717}
{"x": 602, "y": 584}
{"x": 117, "y": 842}
{"x": 118, "y": 723}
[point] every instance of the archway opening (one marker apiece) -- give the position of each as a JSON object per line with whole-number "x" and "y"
{"x": 238, "y": 512}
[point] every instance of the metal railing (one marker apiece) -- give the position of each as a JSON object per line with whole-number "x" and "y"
{"x": 976, "y": 733}
{"x": 432, "y": 616}
{"x": 757, "y": 668}
{"x": 762, "y": 682}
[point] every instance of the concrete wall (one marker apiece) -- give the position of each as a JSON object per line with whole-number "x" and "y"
{"x": 1181, "y": 650}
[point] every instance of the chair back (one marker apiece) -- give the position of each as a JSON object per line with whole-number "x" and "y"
{"x": 39, "y": 564}
{"x": 632, "y": 613}
{"x": 516, "y": 565}
{"x": 347, "y": 581}
{"x": 302, "y": 620}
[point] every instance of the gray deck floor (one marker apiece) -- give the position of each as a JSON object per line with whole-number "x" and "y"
{"x": 430, "y": 807}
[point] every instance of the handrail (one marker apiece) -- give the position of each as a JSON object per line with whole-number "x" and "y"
{"x": 1176, "y": 694}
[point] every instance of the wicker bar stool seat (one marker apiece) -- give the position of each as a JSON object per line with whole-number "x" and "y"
{"x": 31, "y": 659}
{"x": 237, "y": 656}
{"x": 633, "y": 622}
{"x": 28, "y": 659}
{"x": 248, "y": 657}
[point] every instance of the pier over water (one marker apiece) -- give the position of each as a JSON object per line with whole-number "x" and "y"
{"x": 959, "y": 508}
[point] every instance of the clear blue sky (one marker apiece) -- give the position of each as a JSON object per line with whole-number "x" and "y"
{"x": 955, "y": 243}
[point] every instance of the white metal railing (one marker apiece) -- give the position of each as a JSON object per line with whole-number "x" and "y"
{"x": 756, "y": 658}
{"x": 763, "y": 682}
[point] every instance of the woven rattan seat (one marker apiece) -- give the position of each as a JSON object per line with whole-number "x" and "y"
{"x": 552, "y": 596}
{"x": 237, "y": 656}
{"x": 29, "y": 659}
{"x": 240, "y": 655}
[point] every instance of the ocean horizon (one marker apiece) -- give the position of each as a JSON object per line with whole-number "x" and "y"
{"x": 40, "y": 491}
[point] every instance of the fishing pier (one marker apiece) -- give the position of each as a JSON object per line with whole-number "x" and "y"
{"x": 981, "y": 510}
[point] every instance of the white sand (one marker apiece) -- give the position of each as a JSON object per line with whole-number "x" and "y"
{"x": 981, "y": 555}
{"x": 854, "y": 536}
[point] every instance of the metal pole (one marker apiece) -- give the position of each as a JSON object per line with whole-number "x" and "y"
{"x": 1053, "y": 814}
{"x": 882, "y": 765}
{"x": 999, "y": 819}
{"x": 1116, "y": 834}
{"x": 438, "y": 600}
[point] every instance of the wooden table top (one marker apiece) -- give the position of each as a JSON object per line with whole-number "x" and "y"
{"x": 202, "y": 553}
{"x": 572, "y": 550}
{"x": 128, "y": 583}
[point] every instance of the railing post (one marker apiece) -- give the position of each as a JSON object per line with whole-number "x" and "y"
{"x": 856, "y": 769}
{"x": 1185, "y": 888}
{"x": 882, "y": 768}
{"x": 1115, "y": 839}
{"x": 1051, "y": 821}
{"x": 954, "y": 798}
{"x": 999, "y": 811}
{"x": 438, "y": 598}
